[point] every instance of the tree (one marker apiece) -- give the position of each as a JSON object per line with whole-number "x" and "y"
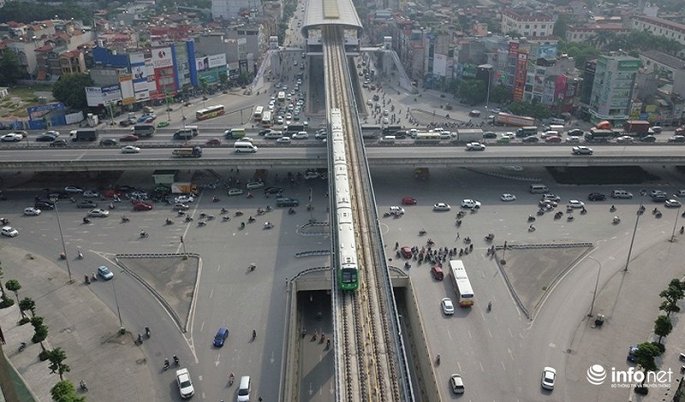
{"x": 57, "y": 357}
{"x": 70, "y": 90}
{"x": 472, "y": 91}
{"x": 64, "y": 391}
{"x": 644, "y": 357}
{"x": 672, "y": 295}
{"x": 28, "y": 304}
{"x": 662, "y": 327}
{"x": 500, "y": 94}
{"x": 13, "y": 286}
{"x": 10, "y": 69}
{"x": 561, "y": 26}
{"x": 40, "y": 331}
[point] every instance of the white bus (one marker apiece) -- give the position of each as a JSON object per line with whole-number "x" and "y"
{"x": 258, "y": 112}
{"x": 281, "y": 96}
{"x": 244, "y": 146}
{"x": 461, "y": 283}
{"x": 266, "y": 118}
{"x": 429, "y": 137}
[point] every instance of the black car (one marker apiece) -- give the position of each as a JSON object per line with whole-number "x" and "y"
{"x": 489, "y": 135}
{"x": 109, "y": 142}
{"x": 531, "y": 139}
{"x": 59, "y": 142}
{"x": 576, "y": 132}
{"x": 596, "y": 197}
{"x": 86, "y": 204}
{"x": 45, "y": 138}
{"x": 44, "y": 205}
{"x": 265, "y": 132}
{"x": 273, "y": 190}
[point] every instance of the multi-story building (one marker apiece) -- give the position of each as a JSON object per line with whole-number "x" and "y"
{"x": 670, "y": 68}
{"x": 589, "y": 32}
{"x": 229, "y": 9}
{"x": 660, "y": 27}
{"x": 528, "y": 24}
{"x": 612, "y": 88}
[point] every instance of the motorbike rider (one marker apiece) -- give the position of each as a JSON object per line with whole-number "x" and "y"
{"x": 254, "y": 334}
{"x": 175, "y": 360}
{"x": 166, "y": 364}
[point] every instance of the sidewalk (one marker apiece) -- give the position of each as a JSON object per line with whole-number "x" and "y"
{"x": 624, "y": 297}
{"x": 79, "y": 323}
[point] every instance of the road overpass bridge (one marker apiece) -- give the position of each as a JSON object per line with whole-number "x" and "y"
{"x": 321, "y": 13}
{"x": 98, "y": 159}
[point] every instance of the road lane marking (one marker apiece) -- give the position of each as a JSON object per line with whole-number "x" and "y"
{"x": 449, "y": 334}
{"x": 490, "y": 333}
{"x": 218, "y": 268}
{"x": 470, "y": 336}
{"x": 503, "y": 366}
{"x": 481, "y": 367}
{"x": 511, "y": 334}
{"x": 211, "y": 293}
{"x": 511, "y": 354}
{"x": 202, "y": 326}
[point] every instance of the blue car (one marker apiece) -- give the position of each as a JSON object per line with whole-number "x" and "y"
{"x": 105, "y": 273}
{"x": 220, "y": 337}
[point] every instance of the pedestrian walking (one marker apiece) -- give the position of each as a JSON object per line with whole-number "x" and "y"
{"x": 457, "y": 236}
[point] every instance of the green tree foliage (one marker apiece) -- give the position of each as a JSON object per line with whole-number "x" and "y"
{"x": 10, "y": 69}
{"x": 64, "y": 391}
{"x": 536, "y": 110}
{"x": 40, "y": 331}
{"x": 22, "y": 11}
{"x": 27, "y": 304}
{"x": 645, "y": 354}
{"x": 13, "y": 286}
{"x": 70, "y": 90}
{"x": 662, "y": 326}
{"x": 57, "y": 357}
{"x": 561, "y": 25}
{"x": 671, "y": 296}
{"x": 472, "y": 91}
{"x": 581, "y": 52}
{"x": 500, "y": 94}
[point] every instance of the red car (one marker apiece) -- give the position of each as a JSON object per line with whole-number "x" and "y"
{"x": 213, "y": 142}
{"x": 141, "y": 206}
{"x": 408, "y": 201}
{"x": 405, "y": 252}
{"x": 129, "y": 138}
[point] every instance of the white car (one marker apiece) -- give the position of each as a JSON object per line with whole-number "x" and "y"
{"x": 183, "y": 199}
{"x": 91, "y": 194}
{"x": 301, "y": 135}
{"x": 457, "y": 384}
{"x": 395, "y": 210}
{"x": 98, "y": 213}
{"x": 235, "y": 191}
{"x": 548, "y": 376}
{"x": 284, "y": 140}
{"x": 73, "y": 189}
{"x": 507, "y": 197}
{"x": 9, "y": 231}
{"x": 471, "y": 204}
{"x": 509, "y": 134}
{"x": 576, "y": 204}
{"x": 573, "y": 139}
{"x": 447, "y": 306}
{"x": 581, "y": 150}
{"x": 475, "y": 146}
{"x": 311, "y": 175}
{"x": 624, "y": 139}
{"x": 130, "y": 149}
{"x": 11, "y": 137}
{"x": 279, "y": 120}
{"x": 253, "y": 185}
{"x": 441, "y": 206}
{"x": 31, "y": 211}
{"x": 672, "y": 203}
{"x": 185, "y": 384}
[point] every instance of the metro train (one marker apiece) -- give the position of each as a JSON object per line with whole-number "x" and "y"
{"x": 348, "y": 272}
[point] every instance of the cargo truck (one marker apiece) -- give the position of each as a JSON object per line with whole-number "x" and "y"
{"x": 636, "y": 127}
{"x": 191, "y": 152}
{"x": 85, "y": 134}
{"x": 599, "y": 135}
{"x": 506, "y": 119}
{"x": 183, "y": 188}
{"x": 469, "y": 135}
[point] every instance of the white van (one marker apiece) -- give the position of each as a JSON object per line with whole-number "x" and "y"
{"x": 244, "y": 389}
{"x": 387, "y": 139}
{"x": 538, "y": 189}
{"x": 244, "y": 146}
{"x": 556, "y": 127}
{"x": 274, "y": 135}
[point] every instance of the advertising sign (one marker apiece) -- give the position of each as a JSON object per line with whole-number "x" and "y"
{"x": 217, "y": 60}
{"x": 202, "y": 63}
{"x": 140, "y": 73}
{"x": 440, "y": 65}
{"x": 111, "y": 94}
{"x": 128, "y": 96}
{"x": 161, "y": 57}
{"x": 93, "y": 96}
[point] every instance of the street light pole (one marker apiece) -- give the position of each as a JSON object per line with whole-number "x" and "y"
{"x": 487, "y": 98}
{"x": 122, "y": 330}
{"x": 632, "y": 240}
{"x": 675, "y": 223}
{"x": 64, "y": 246}
{"x": 594, "y": 293}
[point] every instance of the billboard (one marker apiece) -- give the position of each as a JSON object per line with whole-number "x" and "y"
{"x": 140, "y": 74}
{"x": 128, "y": 96}
{"x": 93, "y": 96}
{"x": 111, "y": 94}
{"x": 161, "y": 57}
{"x": 440, "y": 65}
{"x": 207, "y": 62}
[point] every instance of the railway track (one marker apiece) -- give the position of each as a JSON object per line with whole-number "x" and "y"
{"x": 366, "y": 363}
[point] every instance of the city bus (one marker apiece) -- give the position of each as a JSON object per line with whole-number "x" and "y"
{"x": 258, "y": 111}
{"x": 461, "y": 283}
{"x": 209, "y": 112}
{"x": 426, "y": 138}
{"x": 143, "y": 130}
{"x": 266, "y": 118}
{"x": 281, "y": 96}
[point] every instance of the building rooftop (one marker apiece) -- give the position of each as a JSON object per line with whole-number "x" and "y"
{"x": 660, "y": 21}
{"x": 665, "y": 59}
{"x": 330, "y": 12}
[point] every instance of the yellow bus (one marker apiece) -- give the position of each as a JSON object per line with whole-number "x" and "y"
{"x": 209, "y": 112}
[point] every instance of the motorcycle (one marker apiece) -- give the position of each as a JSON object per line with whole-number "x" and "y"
{"x": 86, "y": 280}
{"x": 583, "y": 211}
{"x": 82, "y": 385}
{"x": 612, "y": 209}
{"x": 489, "y": 237}
{"x": 22, "y": 346}
{"x": 176, "y": 361}
{"x": 250, "y": 219}
{"x": 268, "y": 225}
{"x": 189, "y": 219}
{"x": 616, "y": 220}
{"x": 124, "y": 219}
{"x": 169, "y": 221}
{"x": 225, "y": 218}
{"x": 242, "y": 225}
{"x": 79, "y": 255}
{"x": 531, "y": 218}
{"x": 407, "y": 265}
{"x": 166, "y": 365}
{"x": 215, "y": 199}
{"x": 531, "y": 228}
{"x": 86, "y": 220}
{"x": 62, "y": 256}
{"x": 111, "y": 205}
{"x": 143, "y": 234}
{"x": 240, "y": 213}
{"x": 201, "y": 223}
{"x": 224, "y": 211}
{"x": 147, "y": 332}
{"x": 291, "y": 211}
{"x": 422, "y": 232}
{"x": 252, "y": 267}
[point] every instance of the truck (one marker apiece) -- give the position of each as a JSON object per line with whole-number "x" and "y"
{"x": 189, "y": 152}
{"x": 183, "y": 188}
{"x": 85, "y": 134}
{"x": 469, "y": 135}
{"x": 506, "y": 119}
{"x": 636, "y": 127}
{"x": 599, "y": 135}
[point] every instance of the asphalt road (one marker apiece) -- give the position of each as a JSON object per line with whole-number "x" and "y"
{"x": 503, "y": 344}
